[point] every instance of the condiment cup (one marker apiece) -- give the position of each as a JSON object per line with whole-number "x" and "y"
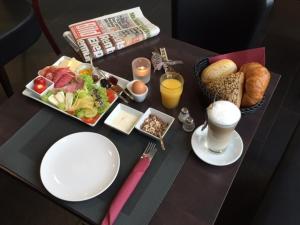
{"x": 164, "y": 117}
{"x": 137, "y": 97}
{"x": 118, "y": 119}
{"x": 49, "y": 84}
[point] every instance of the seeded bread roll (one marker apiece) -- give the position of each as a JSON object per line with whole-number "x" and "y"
{"x": 228, "y": 87}
{"x": 257, "y": 78}
{"x": 218, "y": 69}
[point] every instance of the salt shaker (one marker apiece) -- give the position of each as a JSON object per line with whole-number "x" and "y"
{"x": 184, "y": 113}
{"x": 188, "y": 124}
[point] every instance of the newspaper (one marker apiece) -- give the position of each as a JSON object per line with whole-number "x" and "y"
{"x": 104, "y": 35}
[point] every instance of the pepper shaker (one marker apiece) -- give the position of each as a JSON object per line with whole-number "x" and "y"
{"x": 188, "y": 124}
{"x": 184, "y": 114}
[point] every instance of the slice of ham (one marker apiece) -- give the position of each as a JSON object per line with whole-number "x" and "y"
{"x": 47, "y": 72}
{"x": 79, "y": 83}
{"x": 63, "y": 80}
{"x": 59, "y": 72}
{"x": 49, "y": 76}
{"x": 56, "y": 73}
{"x": 73, "y": 86}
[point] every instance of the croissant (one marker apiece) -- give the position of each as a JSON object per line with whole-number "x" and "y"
{"x": 257, "y": 78}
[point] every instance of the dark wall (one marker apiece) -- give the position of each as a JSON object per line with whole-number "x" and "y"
{"x": 259, "y": 185}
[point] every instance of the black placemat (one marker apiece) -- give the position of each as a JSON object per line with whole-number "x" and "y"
{"x": 22, "y": 155}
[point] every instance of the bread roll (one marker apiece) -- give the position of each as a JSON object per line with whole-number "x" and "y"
{"x": 228, "y": 87}
{"x": 257, "y": 78}
{"x": 218, "y": 69}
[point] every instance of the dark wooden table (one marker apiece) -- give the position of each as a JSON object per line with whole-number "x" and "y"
{"x": 199, "y": 190}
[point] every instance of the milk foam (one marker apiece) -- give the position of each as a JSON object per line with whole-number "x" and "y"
{"x": 223, "y": 113}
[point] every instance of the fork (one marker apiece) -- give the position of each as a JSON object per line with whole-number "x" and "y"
{"x": 149, "y": 151}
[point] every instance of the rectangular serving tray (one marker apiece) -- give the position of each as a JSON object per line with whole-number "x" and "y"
{"x": 122, "y": 82}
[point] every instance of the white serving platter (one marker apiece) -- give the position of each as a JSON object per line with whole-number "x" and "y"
{"x": 29, "y": 93}
{"x": 80, "y": 166}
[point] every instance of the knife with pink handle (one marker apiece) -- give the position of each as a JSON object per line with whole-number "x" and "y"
{"x": 129, "y": 185}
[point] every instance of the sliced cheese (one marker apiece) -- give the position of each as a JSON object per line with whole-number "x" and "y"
{"x": 53, "y": 100}
{"x": 74, "y": 64}
{"x": 69, "y": 100}
{"x": 60, "y": 97}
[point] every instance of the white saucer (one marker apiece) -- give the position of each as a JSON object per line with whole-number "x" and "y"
{"x": 231, "y": 154}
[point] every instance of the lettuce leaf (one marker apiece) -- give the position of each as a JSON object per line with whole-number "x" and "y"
{"x": 46, "y": 96}
{"x": 104, "y": 103}
{"x": 88, "y": 82}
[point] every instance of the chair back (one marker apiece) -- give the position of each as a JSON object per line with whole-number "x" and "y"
{"x": 221, "y": 26}
{"x": 19, "y": 39}
{"x": 22, "y": 25}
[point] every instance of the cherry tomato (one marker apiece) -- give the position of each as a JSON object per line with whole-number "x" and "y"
{"x": 39, "y": 88}
{"x": 40, "y": 80}
{"x": 110, "y": 95}
{"x": 90, "y": 120}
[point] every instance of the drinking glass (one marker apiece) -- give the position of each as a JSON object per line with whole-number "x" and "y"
{"x": 171, "y": 87}
{"x": 141, "y": 69}
{"x": 222, "y": 118}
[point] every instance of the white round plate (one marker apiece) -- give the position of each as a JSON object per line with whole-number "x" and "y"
{"x": 80, "y": 166}
{"x": 231, "y": 154}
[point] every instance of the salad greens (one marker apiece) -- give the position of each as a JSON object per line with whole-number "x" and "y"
{"x": 87, "y": 102}
{"x": 102, "y": 97}
{"x": 46, "y": 96}
{"x": 88, "y": 82}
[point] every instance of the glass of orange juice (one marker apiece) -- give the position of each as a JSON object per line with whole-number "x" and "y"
{"x": 171, "y": 86}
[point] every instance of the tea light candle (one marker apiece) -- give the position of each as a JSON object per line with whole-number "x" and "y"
{"x": 141, "y": 69}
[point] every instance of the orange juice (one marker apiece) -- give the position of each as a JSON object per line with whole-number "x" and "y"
{"x": 171, "y": 90}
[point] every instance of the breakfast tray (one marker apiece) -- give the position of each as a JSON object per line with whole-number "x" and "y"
{"x": 241, "y": 57}
{"x": 121, "y": 81}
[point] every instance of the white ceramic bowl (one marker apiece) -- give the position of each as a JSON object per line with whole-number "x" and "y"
{"x": 164, "y": 117}
{"x": 137, "y": 97}
{"x": 122, "y": 118}
{"x": 84, "y": 66}
{"x": 49, "y": 84}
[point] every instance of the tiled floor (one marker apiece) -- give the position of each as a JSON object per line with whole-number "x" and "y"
{"x": 19, "y": 204}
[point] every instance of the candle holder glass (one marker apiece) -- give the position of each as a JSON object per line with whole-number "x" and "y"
{"x": 141, "y": 69}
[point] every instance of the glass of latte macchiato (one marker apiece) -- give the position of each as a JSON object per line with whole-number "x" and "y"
{"x": 223, "y": 116}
